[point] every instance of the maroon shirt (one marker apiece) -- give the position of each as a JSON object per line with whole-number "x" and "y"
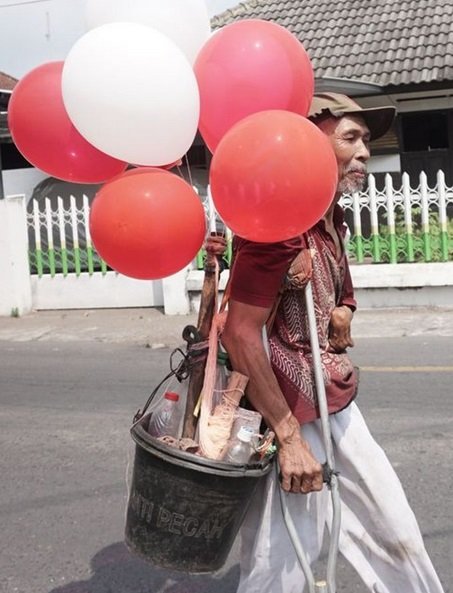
{"x": 259, "y": 271}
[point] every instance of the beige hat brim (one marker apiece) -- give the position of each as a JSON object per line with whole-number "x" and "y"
{"x": 378, "y": 119}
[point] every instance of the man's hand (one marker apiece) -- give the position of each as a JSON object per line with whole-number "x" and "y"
{"x": 340, "y": 329}
{"x": 215, "y": 245}
{"x": 300, "y": 472}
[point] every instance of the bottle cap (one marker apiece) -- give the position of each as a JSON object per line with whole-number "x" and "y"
{"x": 222, "y": 358}
{"x": 245, "y": 434}
{"x": 171, "y": 395}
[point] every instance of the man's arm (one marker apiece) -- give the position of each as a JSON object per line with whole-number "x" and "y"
{"x": 341, "y": 318}
{"x": 243, "y": 340}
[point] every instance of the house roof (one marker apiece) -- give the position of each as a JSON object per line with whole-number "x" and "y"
{"x": 7, "y": 82}
{"x": 386, "y": 42}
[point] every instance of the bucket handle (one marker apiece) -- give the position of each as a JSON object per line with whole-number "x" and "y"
{"x": 181, "y": 372}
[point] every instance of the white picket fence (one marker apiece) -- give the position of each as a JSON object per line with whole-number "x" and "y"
{"x": 402, "y": 224}
{"x": 393, "y": 225}
{"x": 59, "y": 237}
{"x": 60, "y": 240}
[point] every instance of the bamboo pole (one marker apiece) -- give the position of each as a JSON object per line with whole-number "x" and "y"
{"x": 205, "y": 316}
{"x": 215, "y": 428}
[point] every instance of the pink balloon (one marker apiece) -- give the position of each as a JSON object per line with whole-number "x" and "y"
{"x": 250, "y": 66}
{"x": 44, "y": 134}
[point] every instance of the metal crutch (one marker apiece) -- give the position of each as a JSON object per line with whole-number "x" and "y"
{"x": 328, "y": 586}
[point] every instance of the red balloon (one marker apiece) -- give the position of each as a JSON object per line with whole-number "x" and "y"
{"x": 273, "y": 176}
{"x": 177, "y": 163}
{"x": 141, "y": 169}
{"x": 148, "y": 225}
{"x": 246, "y": 67}
{"x": 138, "y": 171}
{"x": 44, "y": 134}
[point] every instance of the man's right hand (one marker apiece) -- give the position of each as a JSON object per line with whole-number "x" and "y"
{"x": 300, "y": 472}
{"x": 243, "y": 340}
{"x": 215, "y": 245}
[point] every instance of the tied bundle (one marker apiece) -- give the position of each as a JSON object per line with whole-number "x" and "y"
{"x": 215, "y": 424}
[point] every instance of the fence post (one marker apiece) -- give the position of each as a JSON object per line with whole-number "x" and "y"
{"x": 441, "y": 188}
{"x": 75, "y": 234}
{"x": 391, "y": 218}
{"x": 50, "y": 243}
{"x": 408, "y": 217}
{"x": 425, "y": 216}
{"x": 61, "y": 227}
{"x": 376, "y": 246}
{"x": 357, "y": 227}
{"x": 15, "y": 282}
{"x": 88, "y": 242}
{"x": 176, "y": 296}
{"x": 37, "y": 234}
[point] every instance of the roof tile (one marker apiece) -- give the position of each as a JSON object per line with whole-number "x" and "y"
{"x": 7, "y": 82}
{"x": 381, "y": 41}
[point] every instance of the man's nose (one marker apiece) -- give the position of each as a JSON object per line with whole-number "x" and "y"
{"x": 363, "y": 151}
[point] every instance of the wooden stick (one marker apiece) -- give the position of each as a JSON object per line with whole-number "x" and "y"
{"x": 205, "y": 316}
{"x": 236, "y": 386}
{"x": 215, "y": 428}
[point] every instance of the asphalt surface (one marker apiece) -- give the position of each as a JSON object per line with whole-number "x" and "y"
{"x": 151, "y": 327}
{"x": 70, "y": 383}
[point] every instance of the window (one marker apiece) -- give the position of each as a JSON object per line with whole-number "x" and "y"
{"x": 11, "y": 157}
{"x": 424, "y": 131}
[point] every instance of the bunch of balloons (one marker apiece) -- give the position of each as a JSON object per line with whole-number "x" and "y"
{"x": 273, "y": 174}
{"x": 136, "y": 88}
{"x": 126, "y": 94}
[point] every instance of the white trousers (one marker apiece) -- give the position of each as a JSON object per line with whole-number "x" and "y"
{"x": 379, "y": 533}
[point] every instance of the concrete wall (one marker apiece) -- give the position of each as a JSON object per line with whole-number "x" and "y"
{"x": 94, "y": 292}
{"x": 379, "y": 285}
{"x": 403, "y": 285}
{"x": 15, "y": 285}
{"x": 22, "y": 181}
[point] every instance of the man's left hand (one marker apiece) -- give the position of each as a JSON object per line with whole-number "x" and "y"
{"x": 340, "y": 329}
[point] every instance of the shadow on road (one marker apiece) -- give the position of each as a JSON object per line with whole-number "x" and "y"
{"x": 116, "y": 570}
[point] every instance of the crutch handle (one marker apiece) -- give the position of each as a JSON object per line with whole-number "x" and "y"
{"x": 327, "y": 473}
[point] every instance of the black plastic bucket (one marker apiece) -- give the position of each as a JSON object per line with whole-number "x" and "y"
{"x": 184, "y": 511}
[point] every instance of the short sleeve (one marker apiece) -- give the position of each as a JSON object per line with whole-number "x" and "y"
{"x": 259, "y": 270}
{"x": 347, "y": 296}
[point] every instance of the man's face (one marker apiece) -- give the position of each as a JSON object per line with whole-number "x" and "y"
{"x": 350, "y": 139}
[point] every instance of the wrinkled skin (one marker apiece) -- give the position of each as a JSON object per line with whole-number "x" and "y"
{"x": 340, "y": 329}
{"x": 242, "y": 336}
{"x": 215, "y": 245}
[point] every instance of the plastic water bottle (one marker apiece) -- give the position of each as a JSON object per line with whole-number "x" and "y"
{"x": 241, "y": 449}
{"x": 165, "y": 419}
{"x": 221, "y": 379}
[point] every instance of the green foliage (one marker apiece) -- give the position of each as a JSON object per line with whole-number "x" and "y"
{"x": 71, "y": 261}
{"x": 434, "y": 246}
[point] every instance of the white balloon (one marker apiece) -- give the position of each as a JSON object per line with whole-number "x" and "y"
{"x": 130, "y": 91}
{"x": 186, "y": 22}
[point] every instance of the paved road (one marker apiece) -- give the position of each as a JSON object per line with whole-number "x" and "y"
{"x": 66, "y": 403}
{"x": 150, "y": 327}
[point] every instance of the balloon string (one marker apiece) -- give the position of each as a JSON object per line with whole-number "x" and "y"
{"x": 188, "y": 169}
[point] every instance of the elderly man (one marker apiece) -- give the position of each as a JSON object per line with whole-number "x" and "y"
{"x": 379, "y": 534}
